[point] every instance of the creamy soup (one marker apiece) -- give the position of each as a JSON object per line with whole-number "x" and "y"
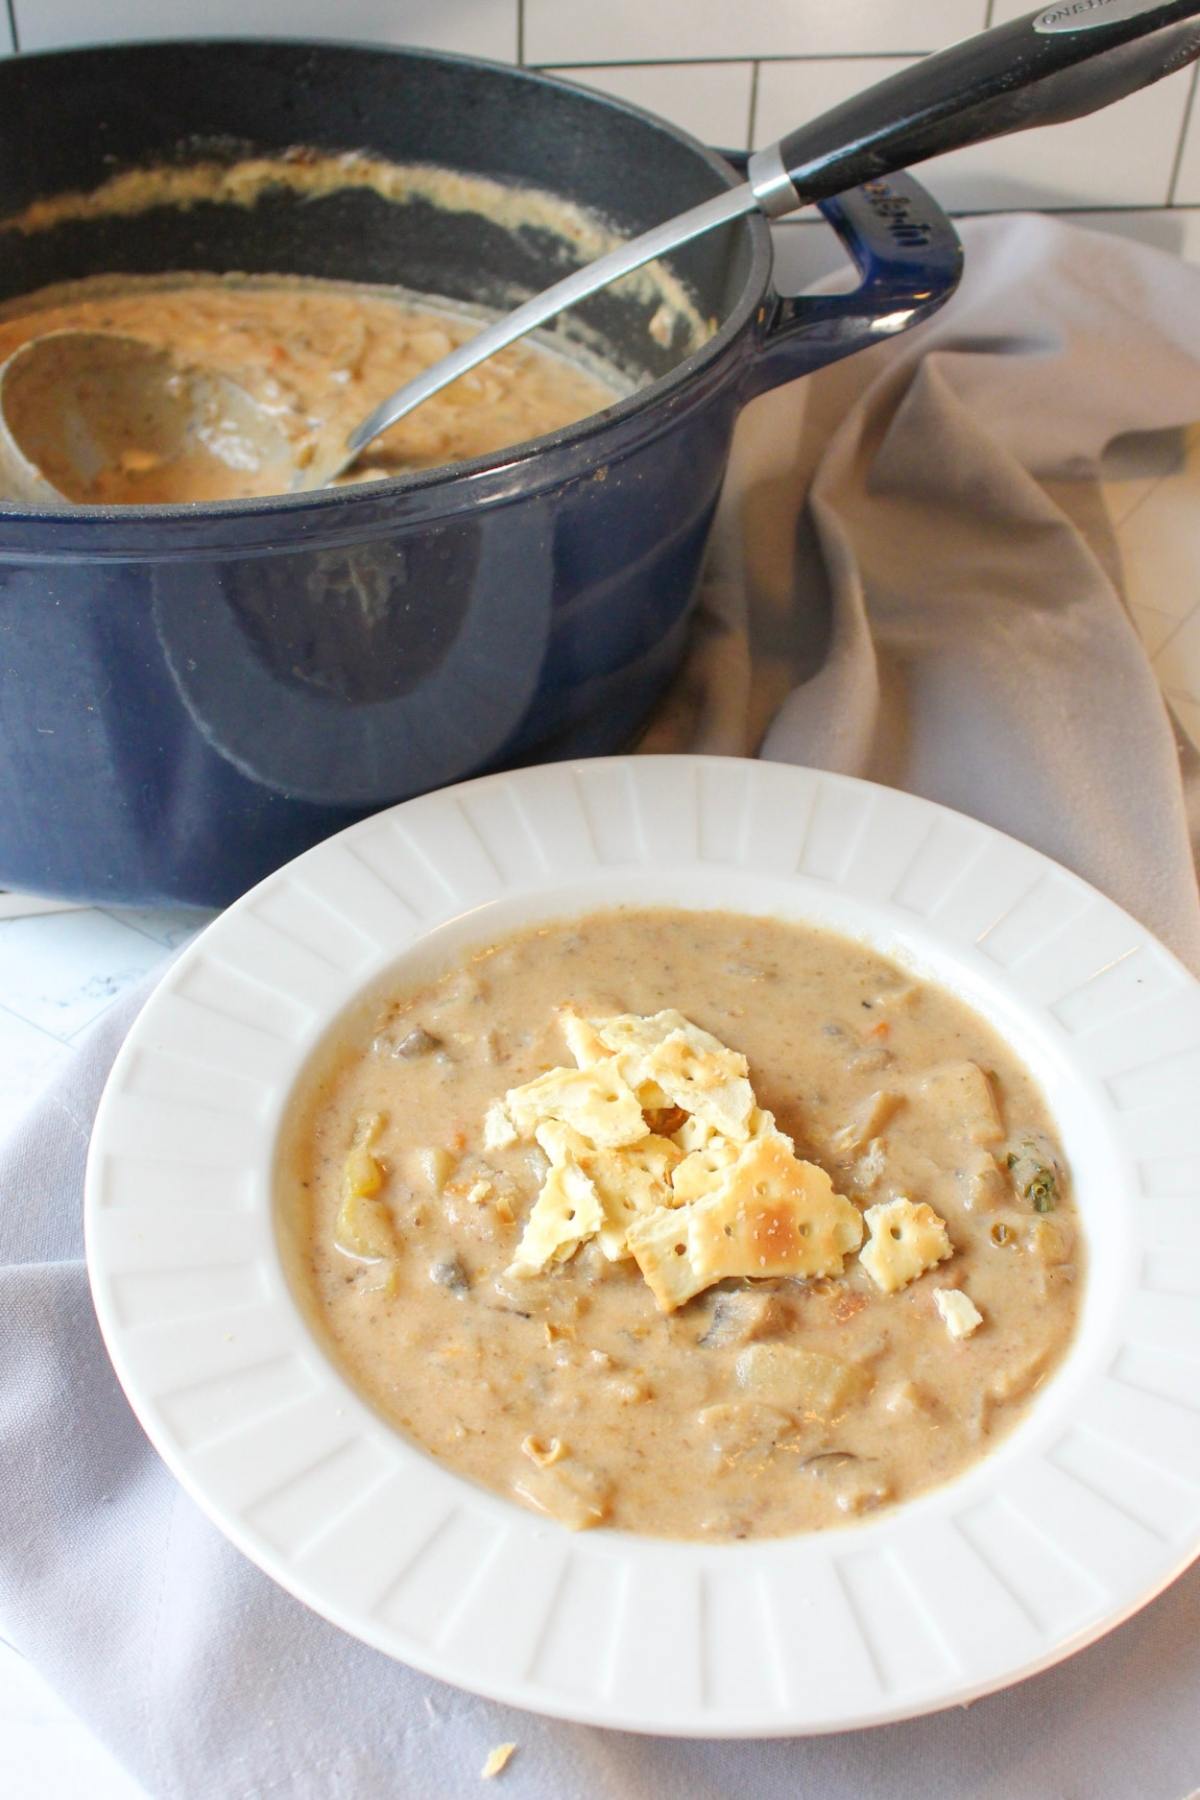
{"x": 441, "y": 1173}
{"x": 317, "y": 356}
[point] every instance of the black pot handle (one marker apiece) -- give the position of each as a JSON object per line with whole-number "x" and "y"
{"x": 1064, "y": 62}
{"x": 910, "y": 259}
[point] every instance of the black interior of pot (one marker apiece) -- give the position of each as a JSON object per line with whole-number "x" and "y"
{"x": 71, "y": 122}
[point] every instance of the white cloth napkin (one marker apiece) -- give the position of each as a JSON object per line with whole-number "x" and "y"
{"x": 933, "y": 503}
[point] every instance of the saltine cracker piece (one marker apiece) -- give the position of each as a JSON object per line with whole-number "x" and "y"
{"x": 627, "y": 1038}
{"x": 497, "y": 1761}
{"x": 696, "y": 1134}
{"x": 666, "y": 1055}
{"x": 769, "y": 1215}
{"x": 498, "y": 1129}
{"x": 630, "y": 1182}
{"x": 583, "y": 1040}
{"x": 773, "y": 1215}
{"x": 596, "y": 1102}
{"x": 712, "y": 1085}
{"x": 659, "y": 1244}
{"x": 906, "y": 1240}
{"x": 644, "y": 1033}
{"x": 703, "y": 1171}
{"x": 566, "y": 1212}
{"x": 710, "y": 1154}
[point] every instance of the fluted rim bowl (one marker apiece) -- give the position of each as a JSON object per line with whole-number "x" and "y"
{"x": 1084, "y": 1512}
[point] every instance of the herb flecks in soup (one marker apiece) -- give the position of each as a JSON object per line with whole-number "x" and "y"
{"x": 590, "y": 1286}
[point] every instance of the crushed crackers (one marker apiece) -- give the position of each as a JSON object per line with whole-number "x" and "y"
{"x": 907, "y": 1239}
{"x": 724, "y": 1195}
{"x": 497, "y": 1761}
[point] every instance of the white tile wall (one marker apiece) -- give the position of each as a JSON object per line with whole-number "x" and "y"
{"x": 711, "y": 100}
{"x": 1187, "y": 180}
{"x": 1172, "y": 228}
{"x": 1120, "y": 157}
{"x": 562, "y": 31}
{"x": 730, "y": 73}
{"x": 807, "y": 251}
{"x": 475, "y": 27}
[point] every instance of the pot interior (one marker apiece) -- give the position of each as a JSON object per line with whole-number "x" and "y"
{"x": 76, "y": 122}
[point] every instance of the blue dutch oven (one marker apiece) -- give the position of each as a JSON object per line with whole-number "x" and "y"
{"x": 189, "y": 696}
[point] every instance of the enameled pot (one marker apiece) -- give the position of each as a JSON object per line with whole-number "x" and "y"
{"x": 190, "y": 696}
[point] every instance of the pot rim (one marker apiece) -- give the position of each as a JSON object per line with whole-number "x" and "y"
{"x": 459, "y": 488}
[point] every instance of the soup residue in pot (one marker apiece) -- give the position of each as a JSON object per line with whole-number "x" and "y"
{"x": 317, "y": 356}
{"x": 694, "y": 1224}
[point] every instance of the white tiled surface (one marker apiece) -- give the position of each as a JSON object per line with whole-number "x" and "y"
{"x": 711, "y": 100}
{"x": 1187, "y": 181}
{"x": 1174, "y": 228}
{"x": 1121, "y": 157}
{"x": 48, "y": 968}
{"x": 559, "y": 31}
{"x": 1160, "y": 541}
{"x": 729, "y": 73}
{"x": 475, "y": 27}
{"x": 59, "y": 970}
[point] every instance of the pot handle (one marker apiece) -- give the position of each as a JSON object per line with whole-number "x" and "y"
{"x": 910, "y": 259}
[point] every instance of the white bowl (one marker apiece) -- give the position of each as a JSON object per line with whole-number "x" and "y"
{"x": 1083, "y": 1513}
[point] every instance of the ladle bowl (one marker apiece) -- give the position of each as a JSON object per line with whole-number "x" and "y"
{"x": 101, "y": 419}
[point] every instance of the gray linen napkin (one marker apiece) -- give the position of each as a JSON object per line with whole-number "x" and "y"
{"x": 931, "y": 505}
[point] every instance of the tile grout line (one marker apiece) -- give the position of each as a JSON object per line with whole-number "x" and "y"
{"x": 12, "y": 24}
{"x": 81, "y": 1031}
{"x": 34, "y": 906}
{"x": 692, "y": 62}
{"x": 1177, "y": 164}
{"x": 51, "y": 1037}
{"x": 1136, "y": 508}
{"x": 752, "y": 124}
{"x": 995, "y": 212}
{"x": 109, "y": 912}
{"x": 1166, "y": 645}
{"x": 991, "y": 212}
{"x": 520, "y": 32}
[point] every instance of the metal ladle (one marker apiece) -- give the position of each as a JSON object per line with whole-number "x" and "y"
{"x": 1061, "y": 63}
{"x": 100, "y": 419}
{"x": 1069, "y": 59}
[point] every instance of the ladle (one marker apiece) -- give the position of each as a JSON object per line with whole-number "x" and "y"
{"x": 1060, "y": 63}
{"x": 100, "y": 418}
